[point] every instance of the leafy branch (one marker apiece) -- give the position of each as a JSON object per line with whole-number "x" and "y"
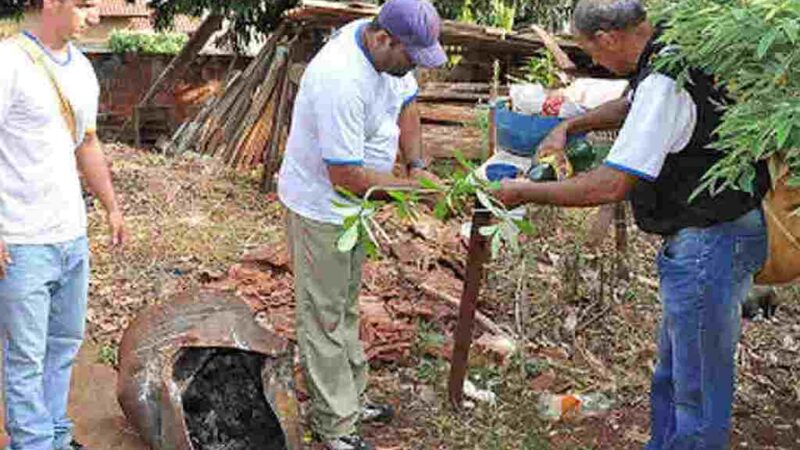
{"x": 752, "y": 48}
{"x": 455, "y": 196}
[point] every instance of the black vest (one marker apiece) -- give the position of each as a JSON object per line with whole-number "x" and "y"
{"x": 662, "y": 206}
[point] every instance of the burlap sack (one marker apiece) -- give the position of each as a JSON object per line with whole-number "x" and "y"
{"x": 783, "y": 229}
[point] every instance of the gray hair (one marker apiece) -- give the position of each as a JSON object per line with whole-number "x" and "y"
{"x": 592, "y": 16}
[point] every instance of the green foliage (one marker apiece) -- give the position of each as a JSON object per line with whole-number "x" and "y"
{"x": 146, "y": 43}
{"x": 247, "y": 18}
{"x": 466, "y": 15}
{"x": 551, "y": 14}
{"x": 460, "y": 191}
{"x": 542, "y": 69}
{"x": 12, "y": 9}
{"x": 752, "y": 48}
{"x": 108, "y": 355}
{"x": 502, "y": 15}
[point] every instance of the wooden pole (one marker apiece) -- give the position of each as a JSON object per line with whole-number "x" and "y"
{"x": 621, "y": 235}
{"x": 476, "y": 257}
{"x": 493, "y": 90}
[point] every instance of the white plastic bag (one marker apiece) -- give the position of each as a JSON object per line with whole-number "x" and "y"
{"x": 527, "y": 98}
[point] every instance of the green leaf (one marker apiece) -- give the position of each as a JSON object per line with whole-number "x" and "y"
{"x": 425, "y": 183}
{"x": 371, "y": 249}
{"x": 792, "y": 30}
{"x": 348, "y": 240}
{"x": 525, "y": 227}
{"x": 484, "y": 200}
{"x": 488, "y": 230}
{"x": 783, "y": 133}
{"x": 397, "y": 196}
{"x": 793, "y": 181}
{"x": 346, "y": 210}
{"x": 747, "y": 179}
{"x": 496, "y": 245}
{"x": 765, "y": 43}
{"x": 440, "y": 211}
{"x": 463, "y": 160}
{"x": 347, "y": 194}
{"x": 350, "y": 220}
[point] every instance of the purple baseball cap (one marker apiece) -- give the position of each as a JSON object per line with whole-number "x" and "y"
{"x": 416, "y": 24}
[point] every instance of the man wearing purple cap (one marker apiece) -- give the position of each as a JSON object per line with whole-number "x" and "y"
{"x": 354, "y": 110}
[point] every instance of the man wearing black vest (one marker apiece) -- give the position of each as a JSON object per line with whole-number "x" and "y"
{"x": 712, "y": 245}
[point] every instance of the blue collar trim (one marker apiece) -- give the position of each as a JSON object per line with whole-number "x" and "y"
{"x": 47, "y": 52}
{"x": 360, "y": 42}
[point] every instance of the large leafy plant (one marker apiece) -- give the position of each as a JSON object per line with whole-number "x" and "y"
{"x": 752, "y": 47}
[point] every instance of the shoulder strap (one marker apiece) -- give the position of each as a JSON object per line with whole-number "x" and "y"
{"x": 37, "y": 56}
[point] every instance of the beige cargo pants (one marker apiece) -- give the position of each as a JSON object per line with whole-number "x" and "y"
{"x": 327, "y": 283}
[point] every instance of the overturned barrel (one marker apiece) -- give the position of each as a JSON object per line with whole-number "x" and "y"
{"x": 198, "y": 373}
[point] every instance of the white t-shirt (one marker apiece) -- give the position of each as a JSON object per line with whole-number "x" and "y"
{"x": 661, "y": 121}
{"x": 345, "y": 113}
{"x": 40, "y": 193}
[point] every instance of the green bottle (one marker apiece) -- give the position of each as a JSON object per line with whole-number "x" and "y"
{"x": 582, "y": 156}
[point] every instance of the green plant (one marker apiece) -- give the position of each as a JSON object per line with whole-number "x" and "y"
{"x": 459, "y": 191}
{"x": 466, "y": 15}
{"x": 753, "y": 49}
{"x": 108, "y": 355}
{"x": 146, "y": 43}
{"x": 550, "y": 14}
{"x": 502, "y": 15}
{"x": 541, "y": 68}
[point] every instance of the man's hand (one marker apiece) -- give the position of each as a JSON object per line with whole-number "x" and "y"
{"x": 5, "y": 259}
{"x": 510, "y": 192}
{"x": 555, "y": 145}
{"x": 119, "y": 232}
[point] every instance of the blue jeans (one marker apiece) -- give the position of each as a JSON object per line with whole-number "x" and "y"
{"x": 42, "y": 313}
{"x": 705, "y": 275}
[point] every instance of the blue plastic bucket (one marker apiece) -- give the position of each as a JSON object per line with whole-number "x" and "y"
{"x": 521, "y": 134}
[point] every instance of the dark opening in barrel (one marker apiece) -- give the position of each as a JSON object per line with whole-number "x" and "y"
{"x": 224, "y": 402}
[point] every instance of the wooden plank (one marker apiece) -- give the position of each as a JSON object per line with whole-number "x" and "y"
{"x": 259, "y": 103}
{"x": 562, "y": 59}
{"x": 273, "y": 146}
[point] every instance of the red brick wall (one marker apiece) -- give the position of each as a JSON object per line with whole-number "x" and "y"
{"x": 124, "y": 79}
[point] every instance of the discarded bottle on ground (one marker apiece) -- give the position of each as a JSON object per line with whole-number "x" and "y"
{"x": 572, "y": 406}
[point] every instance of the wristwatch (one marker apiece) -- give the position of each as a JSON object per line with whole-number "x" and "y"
{"x": 417, "y": 163}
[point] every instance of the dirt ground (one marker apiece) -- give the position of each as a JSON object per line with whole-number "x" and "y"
{"x": 580, "y": 326}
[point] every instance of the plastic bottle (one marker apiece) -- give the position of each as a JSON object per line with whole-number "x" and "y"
{"x": 571, "y": 406}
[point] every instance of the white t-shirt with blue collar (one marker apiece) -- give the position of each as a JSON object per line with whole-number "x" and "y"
{"x": 345, "y": 113}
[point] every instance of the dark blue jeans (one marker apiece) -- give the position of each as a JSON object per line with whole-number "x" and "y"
{"x": 705, "y": 276}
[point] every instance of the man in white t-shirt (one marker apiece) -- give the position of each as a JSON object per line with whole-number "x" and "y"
{"x": 47, "y": 137}
{"x": 354, "y": 110}
{"x": 712, "y": 244}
